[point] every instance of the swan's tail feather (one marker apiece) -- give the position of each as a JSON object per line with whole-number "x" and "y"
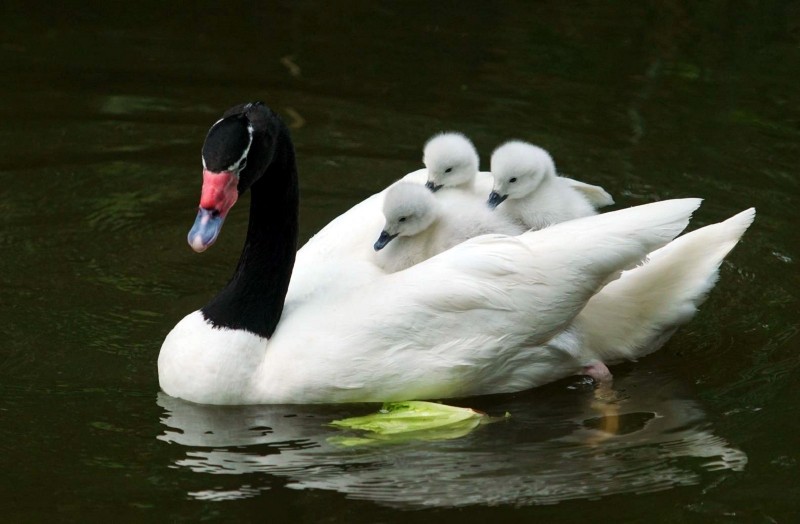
{"x": 635, "y": 314}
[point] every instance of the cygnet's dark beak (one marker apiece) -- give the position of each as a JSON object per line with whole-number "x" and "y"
{"x": 384, "y": 239}
{"x": 433, "y": 187}
{"x": 495, "y": 199}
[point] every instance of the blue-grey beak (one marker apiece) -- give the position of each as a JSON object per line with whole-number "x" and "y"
{"x": 495, "y": 199}
{"x": 205, "y": 230}
{"x": 433, "y": 187}
{"x": 384, "y": 239}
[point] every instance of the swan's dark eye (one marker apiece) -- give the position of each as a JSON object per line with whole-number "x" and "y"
{"x": 448, "y": 169}
{"x": 402, "y": 219}
{"x": 513, "y": 179}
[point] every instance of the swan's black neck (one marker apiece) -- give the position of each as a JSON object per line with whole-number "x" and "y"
{"x": 253, "y": 299}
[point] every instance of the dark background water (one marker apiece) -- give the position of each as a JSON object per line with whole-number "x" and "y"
{"x": 104, "y": 108}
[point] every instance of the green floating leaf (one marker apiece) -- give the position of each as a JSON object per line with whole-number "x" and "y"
{"x": 412, "y": 420}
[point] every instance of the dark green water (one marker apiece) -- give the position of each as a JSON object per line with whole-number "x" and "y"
{"x": 102, "y": 116}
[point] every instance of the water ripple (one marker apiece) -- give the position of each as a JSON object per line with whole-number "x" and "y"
{"x": 586, "y": 450}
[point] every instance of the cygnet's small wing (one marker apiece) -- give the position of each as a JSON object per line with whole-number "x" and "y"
{"x": 596, "y": 195}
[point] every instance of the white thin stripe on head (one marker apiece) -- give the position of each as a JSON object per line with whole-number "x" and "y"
{"x": 234, "y": 168}
{"x": 209, "y": 131}
{"x": 236, "y": 165}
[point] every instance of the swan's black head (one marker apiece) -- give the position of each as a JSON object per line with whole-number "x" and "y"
{"x": 236, "y": 153}
{"x": 228, "y": 143}
{"x": 242, "y": 143}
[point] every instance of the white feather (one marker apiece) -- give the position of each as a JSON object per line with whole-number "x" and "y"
{"x": 629, "y": 318}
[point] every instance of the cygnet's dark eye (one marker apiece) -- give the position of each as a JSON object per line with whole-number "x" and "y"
{"x": 402, "y": 219}
{"x": 448, "y": 169}
{"x": 513, "y": 179}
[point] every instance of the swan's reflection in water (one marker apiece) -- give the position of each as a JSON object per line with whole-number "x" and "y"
{"x": 558, "y": 444}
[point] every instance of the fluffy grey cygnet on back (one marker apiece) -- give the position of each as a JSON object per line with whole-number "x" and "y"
{"x": 451, "y": 160}
{"x": 420, "y": 224}
{"x": 528, "y": 190}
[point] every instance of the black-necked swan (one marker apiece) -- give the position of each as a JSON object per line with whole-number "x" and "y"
{"x": 424, "y": 224}
{"x": 525, "y": 175}
{"x": 493, "y": 314}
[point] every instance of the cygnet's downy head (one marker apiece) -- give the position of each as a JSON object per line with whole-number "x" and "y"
{"x": 409, "y": 209}
{"x": 451, "y": 161}
{"x": 518, "y": 168}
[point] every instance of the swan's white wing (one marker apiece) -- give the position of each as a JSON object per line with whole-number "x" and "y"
{"x": 328, "y": 261}
{"x": 353, "y": 229}
{"x": 325, "y": 264}
{"x": 541, "y": 279}
{"x": 331, "y": 257}
{"x": 634, "y": 315}
{"x": 471, "y": 320}
{"x": 596, "y": 195}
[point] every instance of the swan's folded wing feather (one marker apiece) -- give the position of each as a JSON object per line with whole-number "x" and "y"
{"x": 540, "y": 279}
{"x": 471, "y": 315}
{"x": 346, "y": 240}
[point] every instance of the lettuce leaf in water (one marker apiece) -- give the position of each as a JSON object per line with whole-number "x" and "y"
{"x": 411, "y": 420}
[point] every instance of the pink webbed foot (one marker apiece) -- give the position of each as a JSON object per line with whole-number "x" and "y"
{"x": 606, "y": 401}
{"x": 599, "y": 373}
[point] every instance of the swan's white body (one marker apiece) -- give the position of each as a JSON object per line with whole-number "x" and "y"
{"x": 536, "y": 196}
{"x": 433, "y": 223}
{"x": 493, "y": 314}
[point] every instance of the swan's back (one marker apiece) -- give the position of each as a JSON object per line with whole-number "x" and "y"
{"x": 464, "y": 319}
